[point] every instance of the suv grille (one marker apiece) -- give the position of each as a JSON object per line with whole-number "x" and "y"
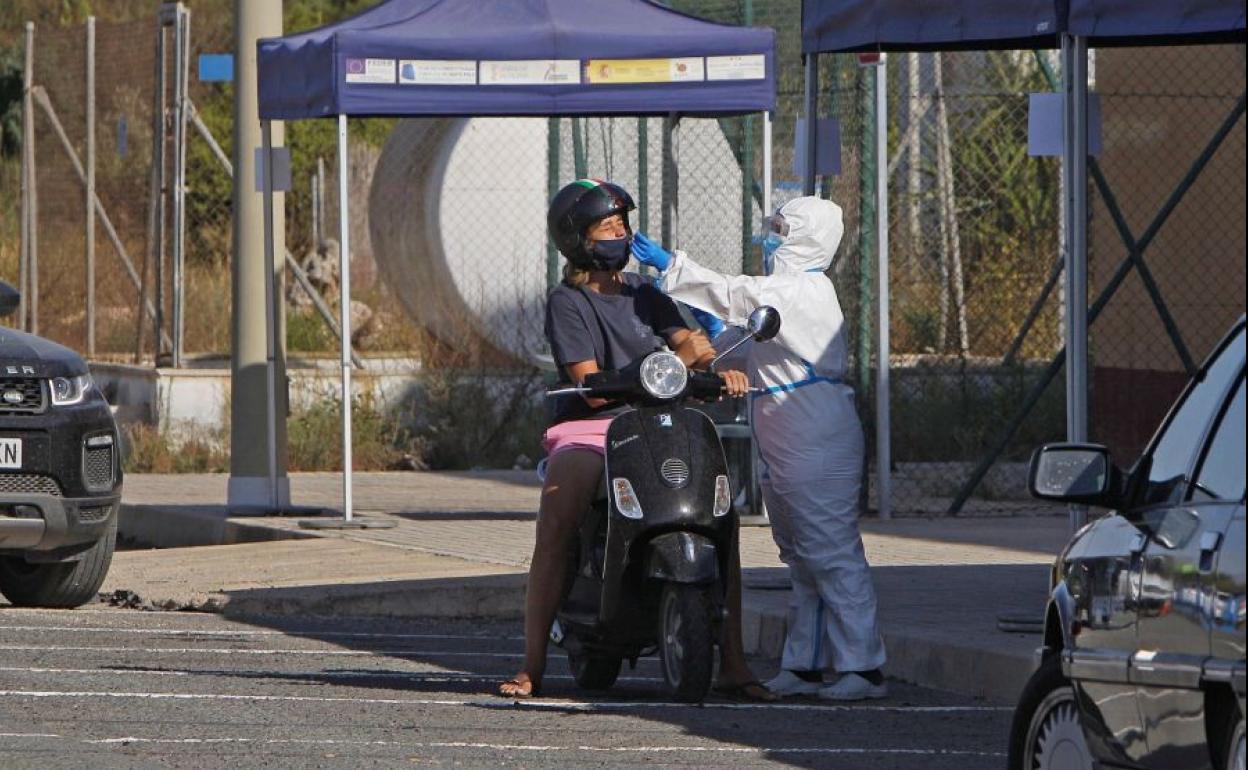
{"x": 21, "y": 395}
{"x": 97, "y": 467}
{"x": 29, "y": 484}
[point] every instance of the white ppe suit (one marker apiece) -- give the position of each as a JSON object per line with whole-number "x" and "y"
{"x": 808, "y": 435}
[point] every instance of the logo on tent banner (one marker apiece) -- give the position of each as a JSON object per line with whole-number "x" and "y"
{"x": 370, "y": 70}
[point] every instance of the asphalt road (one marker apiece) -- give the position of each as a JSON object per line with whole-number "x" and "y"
{"x": 113, "y": 688}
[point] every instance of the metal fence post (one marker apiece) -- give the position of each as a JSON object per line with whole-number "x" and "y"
{"x": 28, "y": 176}
{"x": 181, "y": 47}
{"x": 30, "y": 292}
{"x": 883, "y": 426}
{"x": 553, "y": 143}
{"x": 579, "y": 162}
{"x": 668, "y": 228}
{"x": 643, "y": 175}
{"x": 812, "y": 119}
{"x": 160, "y": 149}
{"x": 867, "y": 174}
{"x": 90, "y": 201}
{"x": 1075, "y": 175}
{"x": 320, "y": 201}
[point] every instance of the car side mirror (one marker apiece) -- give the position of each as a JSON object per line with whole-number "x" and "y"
{"x": 10, "y": 299}
{"x": 1082, "y": 474}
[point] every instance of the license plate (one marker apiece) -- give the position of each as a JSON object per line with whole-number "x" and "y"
{"x": 10, "y": 453}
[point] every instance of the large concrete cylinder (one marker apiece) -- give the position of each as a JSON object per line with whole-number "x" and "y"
{"x": 457, "y": 217}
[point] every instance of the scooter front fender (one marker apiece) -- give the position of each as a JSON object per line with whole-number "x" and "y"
{"x": 682, "y": 557}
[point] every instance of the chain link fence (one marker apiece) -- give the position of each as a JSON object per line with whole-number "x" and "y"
{"x": 1169, "y": 185}
{"x": 974, "y": 227}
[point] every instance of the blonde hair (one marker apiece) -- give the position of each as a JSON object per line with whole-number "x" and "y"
{"x": 574, "y": 276}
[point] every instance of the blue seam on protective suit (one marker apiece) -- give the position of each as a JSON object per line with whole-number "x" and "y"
{"x": 818, "y": 632}
{"x": 811, "y": 379}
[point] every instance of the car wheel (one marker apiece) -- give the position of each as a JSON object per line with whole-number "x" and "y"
{"x": 60, "y": 585}
{"x": 1046, "y": 734}
{"x": 1233, "y": 752}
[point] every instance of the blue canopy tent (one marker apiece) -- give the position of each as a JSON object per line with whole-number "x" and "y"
{"x": 1072, "y": 25}
{"x": 499, "y": 57}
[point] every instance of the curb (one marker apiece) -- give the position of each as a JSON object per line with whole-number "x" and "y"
{"x": 156, "y": 526}
{"x": 496, "y": 597}
{"x": 980, "y": 672}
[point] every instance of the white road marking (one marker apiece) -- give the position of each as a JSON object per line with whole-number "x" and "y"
{"x": 248, "y": 651}
{"x": 253, "y": 632}
{"x": 761, "y": 750}
{"x": 29, "y": 735}
{"x": 499, "y": 703}
{"x": 414, "y": 676}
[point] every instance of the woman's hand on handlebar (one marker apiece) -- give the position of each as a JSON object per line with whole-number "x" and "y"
{"x": 736, "y": 384}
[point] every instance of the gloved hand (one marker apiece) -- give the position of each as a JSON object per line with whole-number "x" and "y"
{"x": 711, "y": 323}
{"x": 650, "y": 253}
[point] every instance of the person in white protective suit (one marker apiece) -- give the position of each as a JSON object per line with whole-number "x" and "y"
{"x": 809, "y": 439}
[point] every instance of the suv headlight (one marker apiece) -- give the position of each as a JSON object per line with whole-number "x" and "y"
{"x": 69, "y": 390}
{"x": 664, "y": 375}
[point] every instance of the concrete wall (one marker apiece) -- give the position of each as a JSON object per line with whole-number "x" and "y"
{"x": 195, "y": 401}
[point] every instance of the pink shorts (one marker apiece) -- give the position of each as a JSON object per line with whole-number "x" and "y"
{"x": 577, "y": 434}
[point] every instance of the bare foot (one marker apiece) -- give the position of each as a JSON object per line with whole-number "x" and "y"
{"x": 519, "y": 687}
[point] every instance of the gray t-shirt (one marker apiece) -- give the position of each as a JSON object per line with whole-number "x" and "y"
{"x": 612, "y": 330}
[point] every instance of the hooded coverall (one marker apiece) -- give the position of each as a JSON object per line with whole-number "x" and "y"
{"x": 808, "y": 435}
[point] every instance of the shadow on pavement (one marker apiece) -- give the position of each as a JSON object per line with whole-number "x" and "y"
{"x": 468, "y": 658}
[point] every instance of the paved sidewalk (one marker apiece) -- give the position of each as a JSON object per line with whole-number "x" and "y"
{"x": 461, "y": 542}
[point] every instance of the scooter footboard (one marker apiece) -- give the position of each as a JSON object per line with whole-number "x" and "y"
{"x": 682, "y": 557}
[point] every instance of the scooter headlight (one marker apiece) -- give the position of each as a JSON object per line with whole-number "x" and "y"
{"x": 723, "y": 496}
{"x": 664, "y": 375}
{"x": 625, "y": 499}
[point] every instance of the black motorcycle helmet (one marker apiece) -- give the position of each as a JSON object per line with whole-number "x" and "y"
{"x": 577, "y": 206}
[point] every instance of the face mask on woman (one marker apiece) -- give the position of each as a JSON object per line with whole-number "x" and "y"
{"x": 610, "y": 254}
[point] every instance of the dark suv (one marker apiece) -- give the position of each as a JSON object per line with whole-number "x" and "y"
{"x": 1143, "y": 657}
{"x": 60, "y": 482}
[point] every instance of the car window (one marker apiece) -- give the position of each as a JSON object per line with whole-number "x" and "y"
{"x": 1221, "y": 474}
{"x": 1174, "y": 450}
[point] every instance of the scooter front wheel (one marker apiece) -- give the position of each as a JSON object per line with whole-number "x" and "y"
{"x": 686, "y": 640}
{"x": 593, "y": 672}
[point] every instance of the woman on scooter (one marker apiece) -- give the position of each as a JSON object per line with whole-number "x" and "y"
{"x": 601, "y": 318}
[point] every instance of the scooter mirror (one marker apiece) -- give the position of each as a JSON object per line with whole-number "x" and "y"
{"x": 764, "y": 323}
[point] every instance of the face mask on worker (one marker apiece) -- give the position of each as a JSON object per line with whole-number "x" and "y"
{"x": 772, "y": 242}
{"x": 610, "y": 254}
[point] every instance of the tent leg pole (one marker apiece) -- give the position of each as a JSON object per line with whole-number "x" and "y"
{"x": 767, "y": 184}
{"x": 270, "y": 325}
{"x": 344, "y": 312}
{"x": 1075, "y": 168}
{"x": 883, "y": 443}
{"x": 812, "y": 123}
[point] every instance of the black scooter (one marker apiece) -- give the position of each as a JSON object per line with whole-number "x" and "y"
{"x": 649, "y": 568}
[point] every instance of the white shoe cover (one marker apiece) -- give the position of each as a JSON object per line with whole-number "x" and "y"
{"x": 787, "y": 683}
{"x": 853, "y": 687}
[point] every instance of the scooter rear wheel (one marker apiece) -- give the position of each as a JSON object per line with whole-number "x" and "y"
{"x": 594, "y": 673}
{"x": 686, "y": 640}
